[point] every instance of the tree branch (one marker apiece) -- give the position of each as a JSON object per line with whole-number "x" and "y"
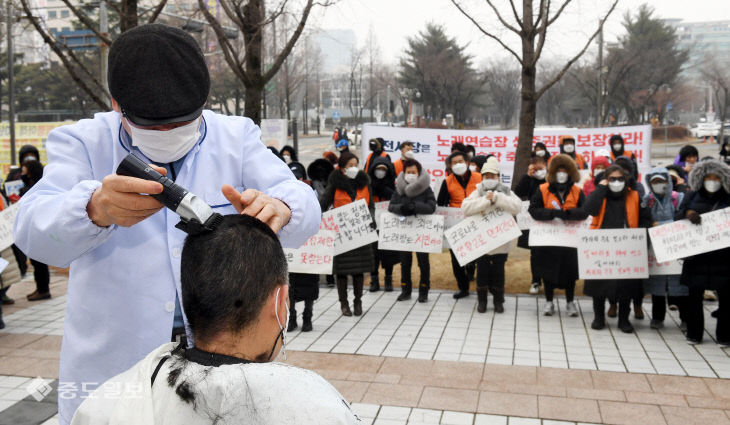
{"x": 232, "y": 16}
{"x": 576, "y": 57}
{"x": 87, "y": 22}
{"x": 485, "y": 32}
{"x": 290, "y": 45}
{"x": 540, "y": 15}
{"x": 557, "y": 14}
{"x": 505, "y": 23}
{"x": 156, "y": 12}
{"x": 228, "y": 50}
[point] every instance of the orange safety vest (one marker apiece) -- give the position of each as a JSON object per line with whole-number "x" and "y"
{"x": 398, "y": 167}
{"x": 571, "y": 201}
{"x": 367, "y": 163}
{"x": 626, "y": 153}
{"x": 343, "y": 198}
{"x": 457, "y": 192}
{"x": 632, "y": 211}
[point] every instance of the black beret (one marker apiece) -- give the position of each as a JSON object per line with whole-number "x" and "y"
{"x": 158, "y": 75}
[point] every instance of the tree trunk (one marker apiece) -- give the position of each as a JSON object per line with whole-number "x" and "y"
{"x": 528, "y": 102}
{"x": 128, "y": 18}
{"x": 253, "y": 40}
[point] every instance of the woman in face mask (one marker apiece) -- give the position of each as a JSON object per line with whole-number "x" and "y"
{"x": 525, "y": 189}
{"x": 567, "y": 147}
{"x": 663, "y": 201}
{"x": 540, "y": 150}
{"x": 348, "y": 184}
{"x": 413, "y": 195}
{"x": 614, "y": 205}
{"x": 288, "y": 154}
{"x": 617, "y": 148}
{"x": 382, "y": 178}
{"x": 561, "y": 198}
{"x": 491, "y": 193}
{"x": 598, "y": 166}
{"x": 709, "y": 184}
{"x": 455, "y": 188}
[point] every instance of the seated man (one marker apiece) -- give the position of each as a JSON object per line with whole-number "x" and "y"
{"x": 234, "y": 294}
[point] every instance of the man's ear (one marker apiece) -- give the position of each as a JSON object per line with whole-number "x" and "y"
{"x": 281, "y": 303}
{"x": 115, "y": 106}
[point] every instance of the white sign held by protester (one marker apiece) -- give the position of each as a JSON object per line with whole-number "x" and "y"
{"x": 353, "y": 226}
{"x": 682, "y": 239}
{"x": 673, "y": 267}
{"x": 477, "y": 235}
{"x": 452, "y": 217}
{"x": 416, "y": 233}
{"x": 524, "y": 219}
{"x": 607, "y": 254}
{"x": 316, "y": 255}
{"x": 7, "y": 219}
{"x": 557, "y": 232}
{"x": 380, "y": 208}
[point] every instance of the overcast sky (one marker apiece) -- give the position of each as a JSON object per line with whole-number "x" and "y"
{"x": 395, "y": 20}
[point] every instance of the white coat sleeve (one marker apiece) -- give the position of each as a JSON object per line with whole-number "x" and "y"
{"x": 511, "y": 204}
{"x": 263, "y": 171}
{"x": 475, "y": 203}
{"x": 52, "y": 225}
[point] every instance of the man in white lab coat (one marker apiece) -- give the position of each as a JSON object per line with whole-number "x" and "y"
{"x": 234, "y": 290}
{"x": 122, "y": 246}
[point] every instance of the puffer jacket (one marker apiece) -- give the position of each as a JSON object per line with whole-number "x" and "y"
{"x": 418, "y": 193}
{"x": 663, "y": 207}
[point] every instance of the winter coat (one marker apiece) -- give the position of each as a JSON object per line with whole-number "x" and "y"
{"x": 663, "y": 207}
{"x": 504, "y": 198}
{"x": 318, "y": 172}
{"x": 413, "y": 198}
{"x": 710, "y": 270}
{"x": 630, "y": 165}
{"x": 359, "y": 260}
{"x": 382, "y": 188}
{"x": 14, "y": 173}
{"x": 526, "y": 187}
{"x": 303, "y": 286}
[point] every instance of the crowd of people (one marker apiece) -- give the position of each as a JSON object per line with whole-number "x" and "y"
{"x": 611, "y": 193}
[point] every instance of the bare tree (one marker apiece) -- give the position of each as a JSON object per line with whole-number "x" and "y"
{"x": 531, "y": 28}
{"x": 503, "y": 90}
{"x": 716, "y": 71}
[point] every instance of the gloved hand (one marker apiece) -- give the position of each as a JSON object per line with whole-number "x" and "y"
{"x": 561, "y": 214}
{"x": 694, "y": 217}
{"x": 409, "y": 208}
{"x": 373, "y": 225}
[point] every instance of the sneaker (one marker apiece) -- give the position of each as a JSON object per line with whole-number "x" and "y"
{"x": 656, "y": 324}
{"x": 572, "y": 309}
{"x": 692, "y": 341}
{"x": 710, "y": 296}
{"x": 549, "y": 309}
{"x": 535, "y": 288}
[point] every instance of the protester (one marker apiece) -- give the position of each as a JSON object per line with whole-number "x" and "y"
{"x": 31, "y": 173}
{"x": 331, "y": 157}
{"x": 687, "y": 158}
{"x": 319, "y": 171}
{"x": 413, "y": 195}
{"x": 377, "y": 149}
{"x": 343, "y": 145}
{"x": 679, "y": 178}
{"x": 406, "y": 152}
{"x": 458, "y": 146}
{"x": 471, "y": 152}
{"x": 382, "y": 181}
{"x": 348, "y": 184}
{"x": 528, "y": 185}
{"x": 598, "y": 166}
{"x": 490, "y": 267}
{"x": 289, "y": 155}
{"x": 229, "y": 377}
{"x": 567, "y": 147}
{"x": 709, "y": 183}
{"x": 663, "y": 201}
{"x": 615, "y": 205}
{"x": 477, "y": 162}
{"x": 116, "y": 240}
{"x": 630, "y": 166}
{"x": 455, "y": 188}
{"x": 617, "y": 149}
{"x": 559, "y": 197}
{"x": 541, "y": 150}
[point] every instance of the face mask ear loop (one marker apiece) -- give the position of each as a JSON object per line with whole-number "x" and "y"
{"x": 281, "y": 332}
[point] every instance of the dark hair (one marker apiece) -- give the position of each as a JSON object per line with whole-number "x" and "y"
{"x": 472, "y": 149}
{"x": 537, "y": 160}
{"x": 345, "y": 158}
{"x": 404, "y": 144}
{"x": 686, "y": 151}
{"x": 410, "y": 163}
{"x": 292, "y": 152}
{"x": 616, "y": 137}
{"x": 613, "y": 168}
{"x": 458, "y": 146}
{"x": 228, "y": 274}
{"x": 453, "y": 155}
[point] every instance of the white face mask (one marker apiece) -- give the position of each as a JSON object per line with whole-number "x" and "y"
{"x": 540, "y": 153}
{"x": 459, "y": 169}
{"x": 166, "y": 146}
{"x": 540, "y": 174}
{"x": 617, "y": 147}
{"x": 712, "y": 186}
{"x": 570, "y": 148}
{"x": 616, "y": 186}
{"x": 472, "y": 168}
{"x": 282, "y": 331}
{"x": 490, "y": 184}
{"x": 659, "y": 188}
{"x": 410, "y": 178}
{"x": 380, "y": 174}
{"x": 409, "y": 155}
{"x": 561, "y": 177}
{"x": 351, "y": 172}
{"x": 287, "y": 159}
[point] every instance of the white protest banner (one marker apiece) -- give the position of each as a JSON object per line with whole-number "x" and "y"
{"x": 7, "y": 219}
{"x": 673, "y": 267}
{"x": 479, "y": 234}
{"x": 452, "y": 217}
{"x": 317, "y": 253}
{"x": 682, "y": 239}
{"x": 380, "y": 207}
{"x": 613, "y": 254}
{"x": 416, "y": 233}
{"x": 557, "y": 232}
{"x": 524, "y": 219}
{"x": 352, "y": 224}
{"x": 432, "y": 146}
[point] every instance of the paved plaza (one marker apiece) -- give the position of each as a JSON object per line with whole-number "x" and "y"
{"x": 443, "y": 363}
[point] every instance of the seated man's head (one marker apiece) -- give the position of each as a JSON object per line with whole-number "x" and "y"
{"x": 235, "y": 289}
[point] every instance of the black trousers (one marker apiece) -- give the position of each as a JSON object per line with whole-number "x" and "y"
{"x": 659, "y": 307}
{"x": 533, "y": 268}
{"x": 379, "y": 262}
{"x": 406, "y": 262}
{"x": 696, "y": 314}
{"x": 21, "y": 259}
{"x": 490, "y": 271}
{"x": 462, "y": 280}
{"x": 42, "y": 276}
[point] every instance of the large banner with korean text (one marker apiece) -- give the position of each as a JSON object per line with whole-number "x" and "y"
{"x": 432, "y": 146}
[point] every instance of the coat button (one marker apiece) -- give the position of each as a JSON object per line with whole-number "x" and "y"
{"x": 176, "y": 252}
{"x": 170, "y": 306}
